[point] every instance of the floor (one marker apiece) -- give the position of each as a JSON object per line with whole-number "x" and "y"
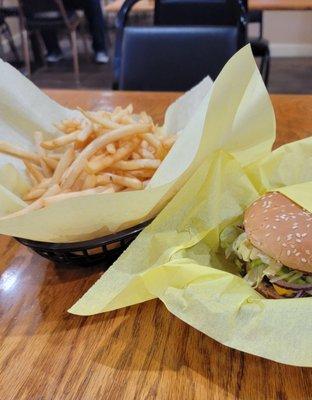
{"x": 92, "y": 76}
{"x": 291, "y": 75}
{"x": 288, "y": 75}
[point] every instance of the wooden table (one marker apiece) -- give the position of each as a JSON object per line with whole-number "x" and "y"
{"x": 139, "y": 353}
{"x": 265, "y": 5}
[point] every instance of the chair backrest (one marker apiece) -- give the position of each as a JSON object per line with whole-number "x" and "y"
{"x": 38, "y": 12}
{"x": 31, "y": 7}
{"x": 120, "y": 22}
{"x": 197, "y": 12}
{"x": 173, "y": 58}
{"x": 234, "y": 11}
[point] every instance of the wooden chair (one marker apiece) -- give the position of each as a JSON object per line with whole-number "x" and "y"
{"x": 39, "y": 14}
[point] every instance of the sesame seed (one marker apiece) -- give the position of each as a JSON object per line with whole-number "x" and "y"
{"x": 298, "y": 240}
{"x": 304, "y": 235}
{"x": 252, "y": 215}
{"x": 278, "y": 238}
{"x": 308, "y": 252}
{"x": 284, "y": 244}
{"x": 298, "y": 235}
{"x": 289, "y": 236}
{"x": 288, "y": 252}
{"x": 297, "y": 254}
{"x": 304, "y": 260}
{"x": 267, "y": 234}
{"x": 268, "y": 226}
{"x": 274, "y": 227}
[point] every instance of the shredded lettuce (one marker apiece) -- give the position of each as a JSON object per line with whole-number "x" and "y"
{"x": 255, "y": 275}
{"x": 227, "y": 237}
{"x": 253, "y": 264}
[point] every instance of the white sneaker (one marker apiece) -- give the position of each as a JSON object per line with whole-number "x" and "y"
{"x": 54, "y": 57}
{"x": 101, "y": 57}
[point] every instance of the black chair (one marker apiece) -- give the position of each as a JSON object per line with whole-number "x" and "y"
{"x": 256, "y": 17}
{"x": 198, "y": 12}
{"x": 170, "y": 58}
{"x": 213, "y": 12}
{"x": 173, "y": 58}
{"x": 39, "y": 14}
{"x": 260, "y": 46}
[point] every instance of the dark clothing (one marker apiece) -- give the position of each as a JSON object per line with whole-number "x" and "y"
{"x": 94, "y": 15}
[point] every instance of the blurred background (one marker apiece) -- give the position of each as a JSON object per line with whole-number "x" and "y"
{"x": 155, "y": 44}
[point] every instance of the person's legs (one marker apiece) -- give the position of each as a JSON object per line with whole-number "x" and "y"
{"x": 94, "y": 14}
{"x": 49, "y": 36}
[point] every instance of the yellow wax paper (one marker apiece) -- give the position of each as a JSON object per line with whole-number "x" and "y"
{"x": 234, "y": 114}
{"x": 177, "y": 258}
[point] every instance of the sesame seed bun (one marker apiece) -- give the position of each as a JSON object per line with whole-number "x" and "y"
{"x": 281, "y": 229}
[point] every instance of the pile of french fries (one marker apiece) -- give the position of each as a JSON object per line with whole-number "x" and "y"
{"x": 101, "y": 152}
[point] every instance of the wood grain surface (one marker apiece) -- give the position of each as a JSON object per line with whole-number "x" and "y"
{"x": 276, "y": 5}
{"x": 273, "y": 5}
{"x": 141, "y": 352}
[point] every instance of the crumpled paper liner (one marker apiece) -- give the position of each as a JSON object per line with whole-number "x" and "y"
{"x": 177, "y": 258}
{"x": 235, "y": 114}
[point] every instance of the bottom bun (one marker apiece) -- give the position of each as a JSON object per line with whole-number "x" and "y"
{"x": 268, "y": 291}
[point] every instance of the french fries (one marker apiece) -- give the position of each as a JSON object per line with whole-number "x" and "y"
{"x": 34, "y": 171}
{"x": 41, "y": 151}
{"x": 104, "y": 162}
{"x": 143, "y": 163}
{"x": 97, "y": 144}
{"x": 60, "y": 141}
{"x": 103, "y": 152}
{"x": 7, "y": 148}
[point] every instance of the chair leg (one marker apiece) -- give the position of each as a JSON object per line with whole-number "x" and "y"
{"x": 265, "y": 67}
{"x": 74, "y": 46}
{"x": 2, "y": 54}
{"x": 9, "y": 37}
{"x": 84, "y": 37}
{"x": 267, "y": 70}
{"x": 26, "y": 51}
{"x": 262, "y": 65}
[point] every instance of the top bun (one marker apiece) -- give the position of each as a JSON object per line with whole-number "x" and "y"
{"x": 280, "y": 228}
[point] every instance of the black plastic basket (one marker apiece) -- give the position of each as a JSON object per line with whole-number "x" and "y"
{"x": 90, "y": 252}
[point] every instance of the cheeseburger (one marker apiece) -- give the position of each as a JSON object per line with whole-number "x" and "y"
{"x": 273, "y": 247}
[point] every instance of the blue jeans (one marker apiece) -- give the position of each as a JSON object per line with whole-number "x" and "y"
{"x": 94, "y": 15}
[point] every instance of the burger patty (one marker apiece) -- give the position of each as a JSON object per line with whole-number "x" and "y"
{"x": 268, "y": 291}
